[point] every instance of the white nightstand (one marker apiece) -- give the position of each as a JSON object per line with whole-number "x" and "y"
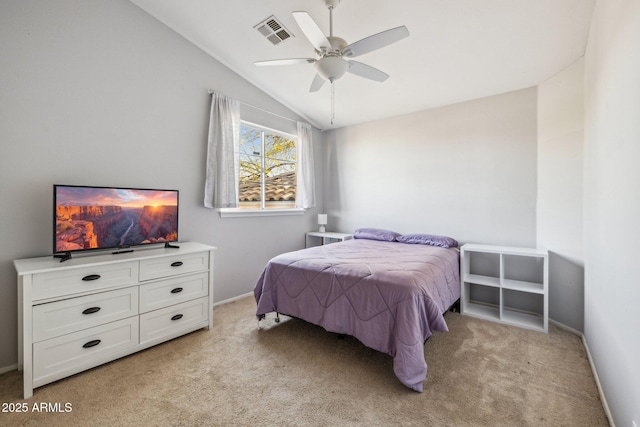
{"x": 326, "y": 237}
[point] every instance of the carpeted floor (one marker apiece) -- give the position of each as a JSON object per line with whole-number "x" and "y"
{"x": 296, "y": 374}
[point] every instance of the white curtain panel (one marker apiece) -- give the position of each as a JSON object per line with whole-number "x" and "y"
{"x": 221, "y": 184}
{"x": 306, "y": 185}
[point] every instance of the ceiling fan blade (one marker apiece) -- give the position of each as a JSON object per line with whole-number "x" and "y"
{"x": 317, "y": 83}
{"x": 290, "y": 61}
{"x": 312, "y": 31}
{"x": 376, "y": 41}
{"x": 367, "y": 71}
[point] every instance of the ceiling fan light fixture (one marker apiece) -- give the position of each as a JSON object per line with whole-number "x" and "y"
{"x": 331, "y": 51}
{"x": 331, "y": 67}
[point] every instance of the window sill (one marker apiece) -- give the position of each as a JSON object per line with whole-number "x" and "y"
{"x": 248, "y": 213}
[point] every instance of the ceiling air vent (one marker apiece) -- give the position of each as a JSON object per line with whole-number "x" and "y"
{"x": 273, "y": 30}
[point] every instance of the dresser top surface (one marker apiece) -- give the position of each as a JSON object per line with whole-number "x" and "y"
{"x": 49, "y": 263}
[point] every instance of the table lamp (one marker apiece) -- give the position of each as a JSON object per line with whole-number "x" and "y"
{"x": 322, "y": 221}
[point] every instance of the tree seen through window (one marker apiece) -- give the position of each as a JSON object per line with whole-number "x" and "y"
{"x": 267, "y": 168}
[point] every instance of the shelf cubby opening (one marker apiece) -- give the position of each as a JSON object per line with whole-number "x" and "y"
{"x": 482, "y": 301}
{"x": 484, "y": 264}
{"x": 523, "y": 268}
{"x": 484, "y": 294}
{"x": 522, "y": 302}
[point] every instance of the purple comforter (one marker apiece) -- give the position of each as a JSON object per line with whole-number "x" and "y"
{"x": 391, "y": 296}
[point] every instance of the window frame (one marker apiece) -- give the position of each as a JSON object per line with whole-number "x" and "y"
{"x": 240, "y": 212}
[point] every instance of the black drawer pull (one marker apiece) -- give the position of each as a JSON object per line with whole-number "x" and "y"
{"x": 176, "y": 290}
{"x": 176, "y": 264}
{"x": 91, "y": 310}
{"x": 91, "y": 277}
{"x": 91, "y": 343}
{"x": 177, "y": 317}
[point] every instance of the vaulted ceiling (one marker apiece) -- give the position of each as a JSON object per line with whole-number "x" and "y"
{"x": 457, "y": 49}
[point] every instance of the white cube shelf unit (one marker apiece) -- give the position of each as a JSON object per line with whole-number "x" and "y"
{"x": 499, "y": 278}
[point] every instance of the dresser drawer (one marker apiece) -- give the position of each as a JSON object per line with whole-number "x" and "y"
{"x": 71, "y": 315}
{"x": 175, "y": 319}
{"x": 86, "y": 279}
{"x": 156, "y": 268}
{"x": 172, "y": 291}
{"x": 62, "y": 356}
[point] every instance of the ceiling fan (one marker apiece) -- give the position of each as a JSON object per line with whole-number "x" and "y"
{"x": 331, "y": 51}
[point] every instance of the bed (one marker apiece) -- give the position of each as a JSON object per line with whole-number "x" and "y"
{"x": 390, "y": 295}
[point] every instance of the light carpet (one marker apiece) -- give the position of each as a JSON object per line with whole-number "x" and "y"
{"x": 296, "y": 374}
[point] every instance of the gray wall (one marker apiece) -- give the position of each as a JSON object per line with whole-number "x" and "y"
{"x": 612, "y": 204}
{"x": 503, "y": 170}
{"x": 100, "y": 93}
{"x": 466, "y": 170}
{"x": 560, "y": 171}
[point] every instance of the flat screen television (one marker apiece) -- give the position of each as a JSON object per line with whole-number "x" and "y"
{"x": 94, "y": 218}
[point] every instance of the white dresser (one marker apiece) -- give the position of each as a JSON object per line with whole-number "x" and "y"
{"x": 89, "y": 310}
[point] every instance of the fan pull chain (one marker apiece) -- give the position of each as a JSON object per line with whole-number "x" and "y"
{"x": 333, "y": 103}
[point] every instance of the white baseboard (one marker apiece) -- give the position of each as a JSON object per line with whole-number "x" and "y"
{"x": 233, "y": 299}
{"x": 603, "y": 398}
{"x": 565, "y": 327}
{"x": 9, "y": 368}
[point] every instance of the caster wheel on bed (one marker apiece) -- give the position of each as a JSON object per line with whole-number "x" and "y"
{"x": 277, "y": 318}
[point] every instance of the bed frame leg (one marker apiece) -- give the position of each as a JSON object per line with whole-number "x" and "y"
{"x": 277, "y": 317}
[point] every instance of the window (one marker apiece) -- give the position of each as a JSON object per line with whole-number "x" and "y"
{"x": 267, "y": 174}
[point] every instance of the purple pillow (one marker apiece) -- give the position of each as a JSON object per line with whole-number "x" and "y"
{"x": 376, "y": 234}
{"x": 428, "y": 239}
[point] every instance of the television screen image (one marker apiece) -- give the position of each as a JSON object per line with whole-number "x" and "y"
{"x": 106, "y": 217}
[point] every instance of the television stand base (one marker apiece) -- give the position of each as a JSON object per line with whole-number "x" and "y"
{"x": 63, "y": 257}
{"x": 124, "y": 251}
{"x": 169, "y": 245}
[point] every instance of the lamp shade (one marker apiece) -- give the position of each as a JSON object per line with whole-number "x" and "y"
{"x": 322, "y": 221}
